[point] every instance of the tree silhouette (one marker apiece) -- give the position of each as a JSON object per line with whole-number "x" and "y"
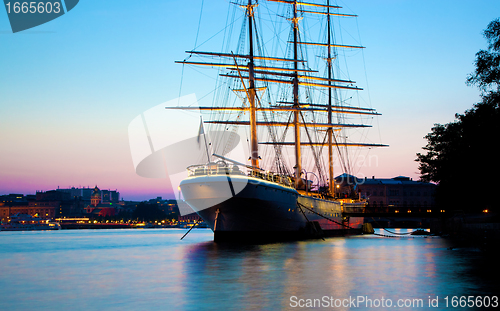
{"x": 487, "y": 74}
{"x": 148, "y": 212}
{"x": 461, "y": 155}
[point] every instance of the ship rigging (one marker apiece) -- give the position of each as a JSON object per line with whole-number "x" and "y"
{"x": 248, "y": 69}
{"x": 283, "y": 94}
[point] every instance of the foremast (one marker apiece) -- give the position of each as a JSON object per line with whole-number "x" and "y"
{"x": 331, "y": 180}
{"x": 329, "y": 60}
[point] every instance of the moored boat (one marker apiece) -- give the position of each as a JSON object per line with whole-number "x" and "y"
{"x": 265, "y": 207}
{"x": 25, "y": 222}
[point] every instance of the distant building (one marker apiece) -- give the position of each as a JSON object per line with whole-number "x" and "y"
{"x": 388, "y": 194}
{"x": 189, "y": 219}
{"x": 64, "y": 203}
{"x": 44, "y": 211}
{"x": 85, "y": 193}
{"x": 95, "y": 198}
{"x": 110, "y": 196}
{"x": 72, "y": 202}
{"x": 108, "y": 209}
{"x": 13, "y": 197}
{"x": 397, "y": 193}
{"x": 167, "y": 206}
{"x": 98, "y": 207}
{"x": 43, "y": 205}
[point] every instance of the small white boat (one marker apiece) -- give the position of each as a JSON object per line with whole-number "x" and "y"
{"x": 24, "y": 222}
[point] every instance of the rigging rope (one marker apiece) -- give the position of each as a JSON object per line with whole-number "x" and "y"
{"x": 316, "y": 160}
{"x": 199, "y": 24}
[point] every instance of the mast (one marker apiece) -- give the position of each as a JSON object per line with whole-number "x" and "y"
{"x": 254, "y": 144}
{"x": 331, "y": 182}
{"x": 296, "y": 104}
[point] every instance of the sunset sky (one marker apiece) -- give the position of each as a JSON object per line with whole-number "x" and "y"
{"x": 70, "y": 88}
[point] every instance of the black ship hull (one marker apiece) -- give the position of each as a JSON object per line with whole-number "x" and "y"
{"x": 247, "y": 209}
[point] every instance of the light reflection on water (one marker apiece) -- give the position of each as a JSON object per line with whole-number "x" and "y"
{"x": 148, "y": 269}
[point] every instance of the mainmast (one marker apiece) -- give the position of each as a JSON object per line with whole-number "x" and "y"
{"x": 296, "y": 104}
{"x": 254, "y": 144}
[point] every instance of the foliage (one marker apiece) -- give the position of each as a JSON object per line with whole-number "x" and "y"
{"x": 461, "y": 155}
{"x": 461, "y": 158}
{"x": 148, "y": 212}
{"x": 487, "y": 74}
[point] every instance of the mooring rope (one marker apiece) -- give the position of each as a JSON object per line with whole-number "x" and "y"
{"x": 396, "y": 235}
{"x": 338, "y": 223}
{"x": 314, "y": 228}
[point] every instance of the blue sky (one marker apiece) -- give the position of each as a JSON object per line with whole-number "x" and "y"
{"x": 69, "y": 88}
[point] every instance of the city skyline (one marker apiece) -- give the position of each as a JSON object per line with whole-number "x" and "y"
{"x": 70, "y": 88}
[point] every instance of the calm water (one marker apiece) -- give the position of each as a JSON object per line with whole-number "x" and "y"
{"x": 153, "y": 270}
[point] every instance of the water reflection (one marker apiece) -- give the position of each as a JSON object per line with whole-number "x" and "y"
{"x": 148, "y": 269}
{"x": 266, "y": 276}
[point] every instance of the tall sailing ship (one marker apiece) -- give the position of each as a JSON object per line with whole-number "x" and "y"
{"x": 286, "y": 105}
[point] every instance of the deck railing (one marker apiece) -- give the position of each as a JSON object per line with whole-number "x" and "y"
{"x": 222, "y": 168}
